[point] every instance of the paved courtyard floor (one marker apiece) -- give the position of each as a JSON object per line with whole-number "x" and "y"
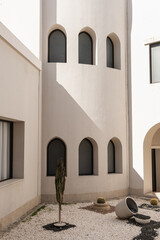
{"x": 89, "y": 225}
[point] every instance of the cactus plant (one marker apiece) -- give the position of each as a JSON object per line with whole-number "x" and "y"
{"x": 60, "y": 184}
{"x": 154, "y": 201}
{"x": 101, "y": 200}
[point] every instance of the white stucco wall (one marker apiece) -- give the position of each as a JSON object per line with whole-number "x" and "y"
{"x": 143, "y": 27}
{"x": 82, "y": 101}
{"x": 22, "y": 18}
{"x": 20, "y": 103}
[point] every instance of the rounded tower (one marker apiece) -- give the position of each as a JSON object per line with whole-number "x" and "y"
{"x": 84, "y": 111}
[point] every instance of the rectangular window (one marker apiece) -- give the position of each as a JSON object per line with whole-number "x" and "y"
{"x": 5, "y": 150}
{"x": 155, "y": 62}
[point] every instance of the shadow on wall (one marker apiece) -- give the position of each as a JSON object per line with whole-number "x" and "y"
{"x": 138, "y": 181}
{"x": 62, "y": 110}
{"x": 68, "y": 113}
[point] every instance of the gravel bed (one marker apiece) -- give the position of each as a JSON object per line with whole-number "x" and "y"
{"x": 89, "y": 225}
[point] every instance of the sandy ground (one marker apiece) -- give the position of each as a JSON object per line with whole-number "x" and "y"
{"x": 89, "y": 225}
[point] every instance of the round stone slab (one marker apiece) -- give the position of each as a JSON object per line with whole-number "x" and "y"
{"x": 59, "y": 224}
{"x": 102, "y": 205}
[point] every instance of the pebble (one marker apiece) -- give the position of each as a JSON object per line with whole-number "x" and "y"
{"x": 89, "y": 225}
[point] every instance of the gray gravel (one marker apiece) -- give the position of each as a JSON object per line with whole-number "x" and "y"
{"x": 89, "y": 225}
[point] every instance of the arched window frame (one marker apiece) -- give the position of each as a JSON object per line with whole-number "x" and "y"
{"x": 116, "y": 51}
{"x": 118, "y": 162}
{"x": 92, "y": 162}
{"x": 65, "y": 43}
{"x": 91, "y": 40}
{"x": 111, "y": 46}
{"x": 113, "y": 154}
{"x": 65, "y": 158}
{"x": 95, "y": 155}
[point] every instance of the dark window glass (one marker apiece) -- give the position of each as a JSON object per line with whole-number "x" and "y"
{"x": 85, "y": 157}
{"x": 57, "y": 46}
{"x": 5, "y": 150}
{"x": 110, "y": 53}
{"x": 111, "y": 157}
{"x": 85, "y": 48}
{"x": 56, "y": 150}
{"x": 155, "y": 62}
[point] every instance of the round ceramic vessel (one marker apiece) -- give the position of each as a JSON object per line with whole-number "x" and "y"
{"x": 126, "y": 208}
{"x": 142, "y": 221}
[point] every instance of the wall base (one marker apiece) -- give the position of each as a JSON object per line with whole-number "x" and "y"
{"x": 136, "y": 192}
{"x": 85, "y": 196}
{"x": 13, "y": 216}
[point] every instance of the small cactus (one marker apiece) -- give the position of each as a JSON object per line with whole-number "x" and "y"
{"x": 154, "y": 201}
{"x": 101, "y": 200}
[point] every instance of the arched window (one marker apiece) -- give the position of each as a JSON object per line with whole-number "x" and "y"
{"x": 113, "y": 51}
{"x": 114, "y": 156}
{"x": 85, "y": 48}
{"x": 56, "y": 150}
{"x": 85, "y": 157}
{"x": 110, "y": 53}
{"x": 111, "y": 157}
{"x": 57, "y": 46}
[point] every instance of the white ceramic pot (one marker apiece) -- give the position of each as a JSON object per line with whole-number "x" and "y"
{"x": 126, "y": 208}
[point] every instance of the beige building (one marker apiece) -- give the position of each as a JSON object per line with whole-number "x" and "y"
{"x": 92, "y": 104}
{"x": 20, "y": 128}
{"x": 144, "y": 93}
